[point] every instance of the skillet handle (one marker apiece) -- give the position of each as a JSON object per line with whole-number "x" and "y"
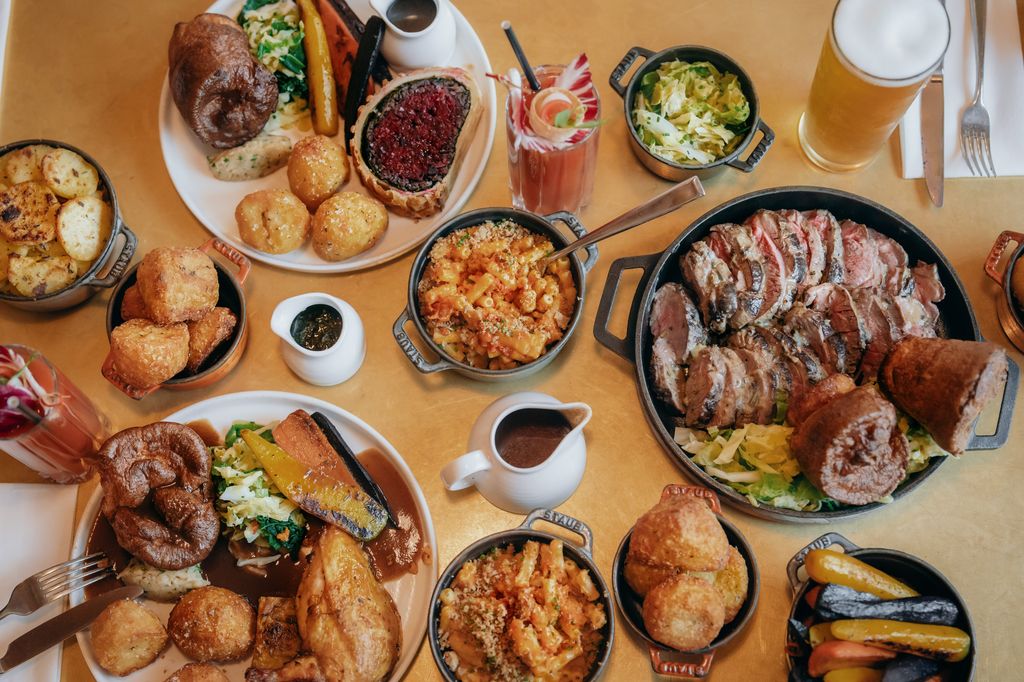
{"x": 821, "y": 542}
{"x": 1006, "y": 403}
{"x": 683, "y": 670}
{"x": 767, "y": 137}
{"x": 123, "y": 259}
{"x": 565, "y": 521}
{"x": 574, "y": 224}
{"x": 410, "y": 350}
{"x": 615, "y": 80}
{"x": 693, "y": 491}
{"x": 1002, "y": 241}
{"x": 623, "y": 347}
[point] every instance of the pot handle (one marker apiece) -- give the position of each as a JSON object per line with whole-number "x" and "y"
{"x": 624, "y": 346}
{"x": 693, "y": 491}
{"x": 615, "y": 80}
{"x": 123, "y": 259}
{"x": 131, "y": 391}
{"x": 413, "y": 353}
{"x": 574, "y": 224}
{"x": 1002, "y": 241}
{"x": 565, "y": 521}
{"x": 1006, "y": 403}
{"x": 681, "y": 669}
{"x": 767, "y": 137}
{"x": 821, "y": 542}
{"x": 232, "y": 254}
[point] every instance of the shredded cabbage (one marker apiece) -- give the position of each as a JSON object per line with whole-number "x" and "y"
{"x": 275, "y": 33}
{"x": 690, "y": 113}
{"x": 756, "y": 461}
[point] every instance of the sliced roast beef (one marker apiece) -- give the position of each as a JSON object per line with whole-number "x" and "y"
{"x": 882, "y": 331}
{"x": 944, "y": 384}
{"x": 735, "y": 245}
{"x": 890, "y": 253}
{"x": 852, "y": 449}
{"x": 836, "y": 304}
{"x": 811, "y": 329}
{"x": 705, "y": 383}
{"x": 804, "y": 367}
{"x": 759, "y": 342}
{"x": 775, "y": 283}
{"x": 928, "y": 288}
{"x": 831, "y": 235}
{"x": 909, "y": 314}
{"x": 860, "y": 255}
{"x": 674, "y": 317}
{"x": 812, "y": 244}
{"x": 759, "y": 402}
{"x": 788, "y": 239}
{"x": 735, "y": 393}
{"x": 710, "y": 279}
{"x": 898, "y": 281}
{"x": 668, "y": 374}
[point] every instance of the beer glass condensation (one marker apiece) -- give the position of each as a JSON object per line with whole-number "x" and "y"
{"x": 877, "y": 56}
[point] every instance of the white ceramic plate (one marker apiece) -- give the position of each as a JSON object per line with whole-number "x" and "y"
{"x": 410, "y": 592}
{"x": 213, "y": 201}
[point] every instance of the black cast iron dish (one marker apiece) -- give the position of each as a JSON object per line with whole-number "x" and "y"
{"x": 86, "y": 286}
{"x": 231, "y": 296}
{"x": 906, "y": 568}
{"x": 1008, "y": 309}
{"x": 583, "y": 555}
{"x": 631, "y": 604}
{"x": 543, "y": 225}
{"x": 670, "y": 170}
{"x": 957, "y": 318}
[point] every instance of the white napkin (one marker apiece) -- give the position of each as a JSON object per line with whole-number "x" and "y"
{"x": 38, "y": 525}
{"x": 5, "y": 25}
{"x": 1003, "y": 93}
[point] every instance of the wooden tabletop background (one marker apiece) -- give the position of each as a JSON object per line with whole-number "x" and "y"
{"x": 90, "y": 73}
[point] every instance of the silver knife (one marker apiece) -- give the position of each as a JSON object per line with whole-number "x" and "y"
{"x": 1020, "y": 22}
{"x": 57, "y": 629}
{"x": 932, "y": 120}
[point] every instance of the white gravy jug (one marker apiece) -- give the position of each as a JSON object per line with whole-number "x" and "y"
{"x": 513, "y": 488}
{"x": 428, "y": 39}
{"x": 320, "y": 367}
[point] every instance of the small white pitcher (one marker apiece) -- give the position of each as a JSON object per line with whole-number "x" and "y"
{"x": 548, "y": 484}
{"x": 321, "y": 367}
{"x": 432, "y": 46}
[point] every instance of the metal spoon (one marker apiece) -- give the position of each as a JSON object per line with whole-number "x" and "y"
{"x": 666, "y": 202}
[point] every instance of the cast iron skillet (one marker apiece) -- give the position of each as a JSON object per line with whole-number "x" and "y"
{"x": 904, "y": 567}
{"x": 631, "y": 604}
{"x": 583, "y": 555}
{"x": 543, "y": 225}
{"x": 957, "y": 319}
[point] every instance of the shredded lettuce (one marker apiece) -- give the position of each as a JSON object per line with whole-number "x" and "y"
{"x": 275, "y": 33}
{"x": 756, "y": 461}
{"x": 690, "y": 113}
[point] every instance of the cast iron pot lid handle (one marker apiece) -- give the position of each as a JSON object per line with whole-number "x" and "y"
{"x": 565, "y": 521}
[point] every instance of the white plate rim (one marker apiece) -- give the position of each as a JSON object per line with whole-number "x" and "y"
{"x": 410, "y": 645}
{"x": 425, "y": 227}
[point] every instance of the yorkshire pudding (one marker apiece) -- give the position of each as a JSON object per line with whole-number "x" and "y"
{"x": 156, "y": 494}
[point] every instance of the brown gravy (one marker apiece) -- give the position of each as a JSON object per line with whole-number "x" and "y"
{"x": 394, "y": 552}
{"x": 527, "y": 438}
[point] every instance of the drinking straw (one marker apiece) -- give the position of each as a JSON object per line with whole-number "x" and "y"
{"x": 14, "y": 403}
{"x": 520, "y": 55}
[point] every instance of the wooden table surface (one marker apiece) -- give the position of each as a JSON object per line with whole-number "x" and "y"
{"x": 90, "y": 73}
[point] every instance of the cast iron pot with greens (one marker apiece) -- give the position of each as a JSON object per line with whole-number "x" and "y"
{"x": 642, "y": 81}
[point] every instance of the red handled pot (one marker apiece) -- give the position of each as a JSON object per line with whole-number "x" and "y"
{"x": 1008, "y": 307}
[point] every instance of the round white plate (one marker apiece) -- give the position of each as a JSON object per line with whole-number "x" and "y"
{"x": 213, "y": 201}
{"x": 410, "y": 592}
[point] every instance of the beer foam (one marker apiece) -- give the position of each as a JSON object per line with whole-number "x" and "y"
{"x": 893, "y": 40}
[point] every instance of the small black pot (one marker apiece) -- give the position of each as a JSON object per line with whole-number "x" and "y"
{"x": 543, "y": 225}
{"x": 670, "y": 170}
{"x": 904, "y": 567}
{"x": 583, "y": 555}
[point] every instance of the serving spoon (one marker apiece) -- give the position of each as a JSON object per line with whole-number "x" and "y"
{"x": 666, "y": 202}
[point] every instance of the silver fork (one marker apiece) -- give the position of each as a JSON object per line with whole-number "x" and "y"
{"x": 974, "y": 124}
{"x": 53, "y": 583}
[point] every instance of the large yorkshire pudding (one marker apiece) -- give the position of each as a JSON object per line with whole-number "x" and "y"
{"x": 156, "y": 494}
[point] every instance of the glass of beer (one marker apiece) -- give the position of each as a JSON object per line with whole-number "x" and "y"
{"x": 877, "y": 56}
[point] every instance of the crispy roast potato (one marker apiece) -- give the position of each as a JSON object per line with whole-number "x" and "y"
{"x": 177, "y": 284}
{"x": 69, "y": 175}
{"x": 684, "y": 612}
{"x": 348, "y": 224}
{"x": 317, "y": 168}
{"x": 212, "y": 624}
{"x": 146, "y": 354}
{"x": 206, "y": 333}
{"x": 731, "y": 584}
{"x": 260, "y": 156}
{"x": 682, "y": 532}
{"x": 198, "y": 672}
{"x": 644, "y": 577}
{"x": 132, "y": 305}
{"x": 127, "y": 637}
{"x": 33, "y": 276}
{"x": 83, "y": 227}
{"x": 277, "y": 633}
{"x": 28, "y": 214}
{"x": 25, "y": 164}
{"x": 272, "y": 221}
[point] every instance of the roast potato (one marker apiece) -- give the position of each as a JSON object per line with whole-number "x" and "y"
{"x": 684, "y": 612}
{"x": 644, "y": 577}
{"x": 126, "y": 637}
{"x": 69, "y": 175}
{"x": 132, "y": 305}
{"x": 177, "y": 284}
{"x": 272, "y": 221}
{"x": 212, "y": 624}
{"x": 83, "y": 227}
{"x": 25, "y": 164}
{"x": 731, "y": 584}
{"x": 145, "y": 354}
{"x": 682, "y": 532}
{"x": 206, "y": 333}
{"x": 198, "y": 672}
{"x": 33, "y": 276}
{"x": 317, "y": 168}
{"x": 28, "y": 214}
{"x": 348, "y": 224}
